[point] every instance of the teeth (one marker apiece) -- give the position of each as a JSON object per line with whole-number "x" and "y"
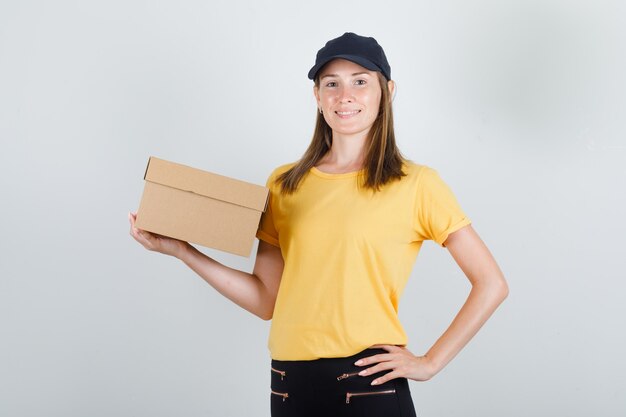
{"x": 346, "y": 113}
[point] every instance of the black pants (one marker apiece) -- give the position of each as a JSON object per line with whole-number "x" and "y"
{"x": 331, "y": 387}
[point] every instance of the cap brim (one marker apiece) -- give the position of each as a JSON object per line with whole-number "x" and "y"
{"x": 366, "y": 63}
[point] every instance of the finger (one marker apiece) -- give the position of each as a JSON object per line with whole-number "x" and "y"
{"x": 374, "y": 359}
{"x": 133, "y": 230}
{"x": 387, "y": 377}
{"x": 144, "y": 238}
{"x": 147, "y": 236}
{"x": 382, "y": 366}
{"x": 391, "y": 348}
{"x": 388, "y": 348}
{"x": 136, "y": 231}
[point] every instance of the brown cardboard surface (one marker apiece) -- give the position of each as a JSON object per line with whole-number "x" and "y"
{"x": 201, "y": 207}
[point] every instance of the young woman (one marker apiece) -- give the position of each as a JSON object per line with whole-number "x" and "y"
{"x": 337, "y": 243}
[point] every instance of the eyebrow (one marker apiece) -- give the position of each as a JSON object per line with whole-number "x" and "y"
{"x": 336, "y": 75}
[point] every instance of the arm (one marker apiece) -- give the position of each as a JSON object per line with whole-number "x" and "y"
{"x": 489, "y": 289}
{"x": 255, "y": 292}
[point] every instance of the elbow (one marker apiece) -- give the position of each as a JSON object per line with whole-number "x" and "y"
{"x": 502, "y": 289}
{"x": 266, "y": 314}
{"x": 268, "y": 307}
{"x": 266, "y": 317}
{"x": 495, "y": 289}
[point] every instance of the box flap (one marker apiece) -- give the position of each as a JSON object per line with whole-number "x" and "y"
{"x": 206, "y": 183}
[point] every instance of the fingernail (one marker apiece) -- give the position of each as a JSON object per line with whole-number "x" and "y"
{"x": 359, "y": 362}
{"x": 375, "y": 382}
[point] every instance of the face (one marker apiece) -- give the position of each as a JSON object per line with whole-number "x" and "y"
{"x": 349, "y": 96}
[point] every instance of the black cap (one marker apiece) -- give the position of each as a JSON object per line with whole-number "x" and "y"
{"x": 359, "y": 49}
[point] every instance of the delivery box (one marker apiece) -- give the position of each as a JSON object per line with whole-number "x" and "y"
{"x": 200, "y": 207}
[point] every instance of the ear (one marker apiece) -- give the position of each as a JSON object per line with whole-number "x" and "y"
{"x": 316, "y": 93}
{"x": 391, "y": 85}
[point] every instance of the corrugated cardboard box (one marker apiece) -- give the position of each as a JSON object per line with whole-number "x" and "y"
{"x": 200, "y": 207}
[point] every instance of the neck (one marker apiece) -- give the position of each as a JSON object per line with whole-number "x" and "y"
{"x": 346, "y": 151}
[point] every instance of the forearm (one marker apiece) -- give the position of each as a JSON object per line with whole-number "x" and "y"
{"x": 482, "y": 301}
{"x": 243, "y": 288}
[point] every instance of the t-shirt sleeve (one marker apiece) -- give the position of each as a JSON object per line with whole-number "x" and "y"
{"x": 267, "y": 231}
{"x": 437, "y": 211}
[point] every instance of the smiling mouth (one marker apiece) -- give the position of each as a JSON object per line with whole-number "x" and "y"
{"x": 347, "y": 114}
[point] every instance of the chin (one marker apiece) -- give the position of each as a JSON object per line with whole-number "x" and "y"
{"x": 342, "y": 130}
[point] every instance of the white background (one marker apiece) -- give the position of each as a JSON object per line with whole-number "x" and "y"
{"x": 519, "y": 105}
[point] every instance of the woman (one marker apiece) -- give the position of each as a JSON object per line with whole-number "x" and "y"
{"x": 337, "y": 244}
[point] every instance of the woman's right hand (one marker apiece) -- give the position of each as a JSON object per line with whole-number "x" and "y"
{"x": 156, "y": 243}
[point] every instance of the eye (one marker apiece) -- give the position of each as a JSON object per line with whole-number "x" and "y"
{"x": 331, "y": 84}
{"x": 360, "y": 82}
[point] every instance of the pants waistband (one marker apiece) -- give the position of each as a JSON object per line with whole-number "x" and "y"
{"x": 323, "y": 371}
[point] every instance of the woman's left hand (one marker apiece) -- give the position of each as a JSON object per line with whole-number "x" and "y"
{"x": 402, "y": 363}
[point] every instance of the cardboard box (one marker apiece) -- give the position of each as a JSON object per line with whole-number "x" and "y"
{"x": 201, "y": 207}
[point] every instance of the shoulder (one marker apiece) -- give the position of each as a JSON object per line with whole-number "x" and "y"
{"x": 422, "y": 178}
{"x": 278, "y": 171}
{"x": 283, "y": 168}
{"x": 417, "y": 171}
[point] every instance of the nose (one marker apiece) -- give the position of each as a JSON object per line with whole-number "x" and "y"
{"x": 346, "y": 95}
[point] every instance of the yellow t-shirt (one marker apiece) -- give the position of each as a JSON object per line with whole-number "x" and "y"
{"x": 348, "y": 254}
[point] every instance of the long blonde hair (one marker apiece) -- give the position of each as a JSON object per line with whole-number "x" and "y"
{"x": 383, "y": 159}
